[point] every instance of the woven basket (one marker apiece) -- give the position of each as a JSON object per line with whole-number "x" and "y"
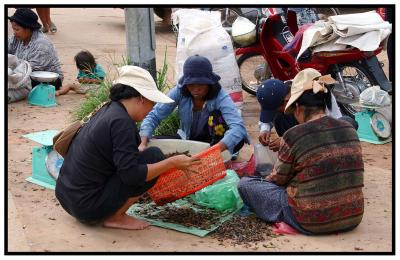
{"x": 175, "y": 184}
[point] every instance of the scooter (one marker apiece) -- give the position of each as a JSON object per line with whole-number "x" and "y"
{"x": 274, "y": 53}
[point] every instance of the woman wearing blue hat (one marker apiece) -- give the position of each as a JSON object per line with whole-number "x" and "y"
{"x": 206, "y": 111}
{"x": 30, "y": 44}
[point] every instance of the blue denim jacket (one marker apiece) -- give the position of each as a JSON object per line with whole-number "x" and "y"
{"x": 223, "y": 102}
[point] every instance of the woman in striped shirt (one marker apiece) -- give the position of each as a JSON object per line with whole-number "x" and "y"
{"x": 30, "y": 44}
{"x": 316, "y": 184}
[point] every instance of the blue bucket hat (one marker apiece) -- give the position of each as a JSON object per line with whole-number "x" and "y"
{"x": 198, "y": 70}
{"x": 271, "y": 94}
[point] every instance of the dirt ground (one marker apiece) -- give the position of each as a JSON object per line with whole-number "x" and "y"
{"x": 37, "y": 223}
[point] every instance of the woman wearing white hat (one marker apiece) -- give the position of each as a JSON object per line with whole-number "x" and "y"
{"x": 104, "y": 173}
{"x": 316, "y": 184}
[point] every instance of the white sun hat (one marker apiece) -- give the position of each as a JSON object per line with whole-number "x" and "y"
{"x": 141, "y": 80}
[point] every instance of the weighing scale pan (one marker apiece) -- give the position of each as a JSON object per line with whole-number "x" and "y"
{"x": 44, "y": 76}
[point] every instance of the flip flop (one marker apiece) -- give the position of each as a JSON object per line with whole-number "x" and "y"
{"x": 44, "y": 30}
{"x": 53, "y": 27}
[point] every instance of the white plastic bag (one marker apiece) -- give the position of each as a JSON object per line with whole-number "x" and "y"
{"x": 201, "y": 32}
{"x": 19, "y": 72}
{"x": 19, "y": 81}
{"x": 375, "y": 96}
{"x": 265, "y": 159}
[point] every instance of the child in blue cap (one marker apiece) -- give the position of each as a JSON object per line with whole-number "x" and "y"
{"x": 273, "y": 95}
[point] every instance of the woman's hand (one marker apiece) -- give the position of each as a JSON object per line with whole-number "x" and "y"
{"x": 222, "y": 146}
{"x": 264, "y": 137}
{"x": 274, "y": 144}
{"x": 143, "y": 143}
{"x": 182, "y": 162}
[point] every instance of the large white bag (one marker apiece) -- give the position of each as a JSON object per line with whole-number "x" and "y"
{"x": 201, "y": 32}
{"x": 19, "y": 81}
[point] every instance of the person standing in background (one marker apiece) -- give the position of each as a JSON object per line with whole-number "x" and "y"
{"x": 44, "y": 15}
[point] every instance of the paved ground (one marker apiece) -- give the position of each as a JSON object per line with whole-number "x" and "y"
{"x": 37, "y": 222}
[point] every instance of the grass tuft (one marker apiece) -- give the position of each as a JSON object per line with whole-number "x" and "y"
{"x": 168, "y": 126}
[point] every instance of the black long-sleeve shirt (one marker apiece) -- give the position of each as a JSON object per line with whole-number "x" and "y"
{"x": 105, "y": 146}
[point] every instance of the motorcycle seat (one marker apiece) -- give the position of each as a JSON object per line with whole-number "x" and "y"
{"x": 297, "y": 39}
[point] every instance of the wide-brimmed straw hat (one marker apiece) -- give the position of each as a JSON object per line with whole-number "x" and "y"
{"x": 141, "y": 80}
{"x": 26, "y": 18}
{"x": 305, "y": 80}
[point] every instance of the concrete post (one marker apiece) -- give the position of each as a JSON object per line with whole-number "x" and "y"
{"x": 140, "y": 38}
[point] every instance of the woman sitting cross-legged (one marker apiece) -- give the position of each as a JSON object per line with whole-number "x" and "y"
{"x": 316, "y": 184}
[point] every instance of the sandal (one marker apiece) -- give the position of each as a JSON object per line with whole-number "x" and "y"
{"x": 44, "y": 30}
{"x": 53, "y": 27}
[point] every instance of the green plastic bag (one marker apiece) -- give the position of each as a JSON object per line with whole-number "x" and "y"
{"x": 222, "y": 195}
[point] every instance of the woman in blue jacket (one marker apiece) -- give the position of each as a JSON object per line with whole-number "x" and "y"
{"x": 206, "y": 111}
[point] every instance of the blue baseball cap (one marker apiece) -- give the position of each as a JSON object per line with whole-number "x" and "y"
{"x": 271, "y": 94}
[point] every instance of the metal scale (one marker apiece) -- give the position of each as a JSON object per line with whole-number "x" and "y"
{"x": 374, "y": 124}
{"x": 46, "y": 162}
{"x": 44, "y": 94}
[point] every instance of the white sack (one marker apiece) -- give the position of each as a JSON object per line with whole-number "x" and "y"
{"x": 201, "y": 32}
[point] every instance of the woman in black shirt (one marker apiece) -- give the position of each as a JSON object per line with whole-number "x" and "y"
{"x": 104, "y": 173}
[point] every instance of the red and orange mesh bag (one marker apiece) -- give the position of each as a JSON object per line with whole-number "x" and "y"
{"x": 175, "y": 184}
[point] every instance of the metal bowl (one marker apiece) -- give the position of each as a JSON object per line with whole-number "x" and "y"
{"x": 44, "y": 76}
{"x": 177, "y": 145}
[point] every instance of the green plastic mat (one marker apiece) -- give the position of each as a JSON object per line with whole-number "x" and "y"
{"x": 150, "y": 212}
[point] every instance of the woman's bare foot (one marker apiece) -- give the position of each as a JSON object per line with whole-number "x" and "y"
{"x": 125, "y": 222}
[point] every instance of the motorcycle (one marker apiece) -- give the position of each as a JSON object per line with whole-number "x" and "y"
{"x": 229, "y": 15}
{"x": 274, "y": 52}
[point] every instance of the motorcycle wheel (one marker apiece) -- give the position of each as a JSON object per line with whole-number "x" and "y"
{"x": 253, "y": 69}
{"x": 228, "y": 16}
{"x": 357, "y": 78}
{"x": 324, "y": 13}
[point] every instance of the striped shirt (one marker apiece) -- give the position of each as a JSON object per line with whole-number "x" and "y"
{"x": 320, "y": 163}
{"x": 39, "y": 52}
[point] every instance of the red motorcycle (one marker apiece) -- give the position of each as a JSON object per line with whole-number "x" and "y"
{"x": 274, "y": 55}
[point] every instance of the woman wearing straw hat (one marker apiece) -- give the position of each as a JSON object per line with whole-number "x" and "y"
{"x": 316, "y": 184}
{"x": 104, "y": 173}
{"x": 30, "y": 44}
{"x": 206, "y": 111}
